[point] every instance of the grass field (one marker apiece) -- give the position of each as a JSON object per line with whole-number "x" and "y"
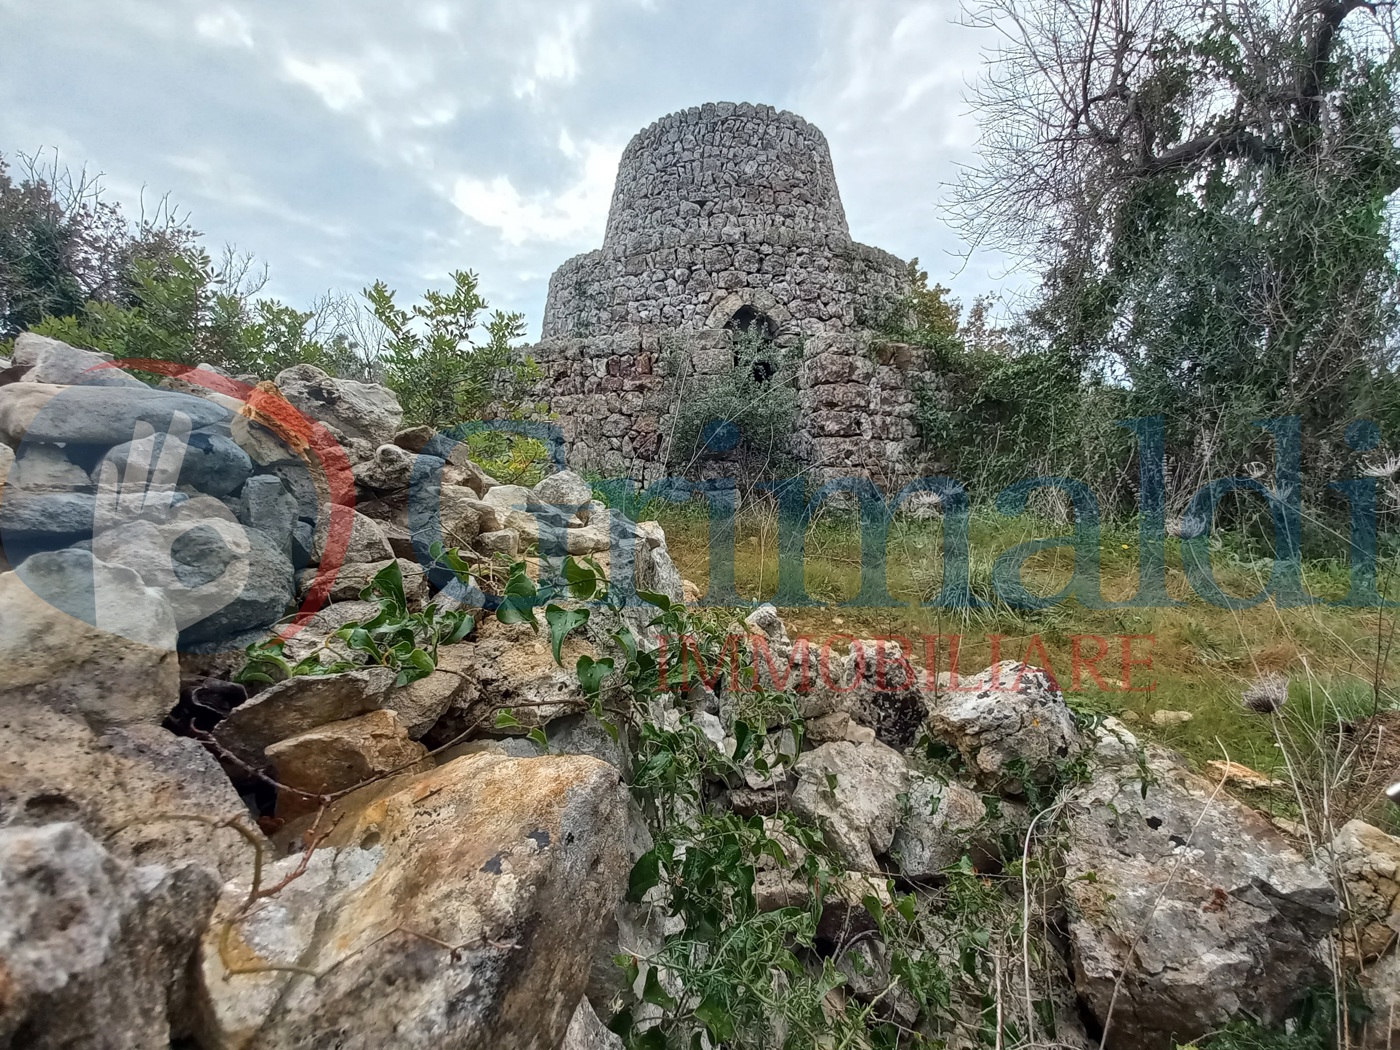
{"x": 1201, "y": 656}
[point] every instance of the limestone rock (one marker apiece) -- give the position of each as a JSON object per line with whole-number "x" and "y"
{"x": 586, "y": 1032}
{"x": 19, "y": 404}
{"x": 656, "y": 572}
{"x": 351, "y": 580}
{"x": 366, "y": 542}
{"x": 414, "y": 439}
{"x": 96, "y": 415}
{"x": 564, "y": 489}
{"x": 516, "y": 675}
{"x": 44, "y": 519}
{"x": 86, "y": 637}
{"x": 389, "y": 470}
{"x": 1367, "y": 861}
{"x": 357, "y": 410}
{"x": 94, "y": 952}
{"x": 1380, "y": 988}
{"x": 420, "y": 704}
{"x": 300, "y": 705}
{"x": 941, "y": 823}
{"x": 46, "y": 467}
{"x": 53, "y": 361}
{"x": 1008, "y": 723}
{"x": 852, "y": 793}
{"x": 310, "y": 637}
{"x": 458, "y": 516}
{"x": 512, "y": 504}
{"x": 267, "y": 506}
{"x": 1195, "y": 902}
{"x": 874, "y": 683}
{"x": 513, "y": 864}
{"x": 592, "y": 538}
{"x": 210, "y": 461}
{"x": 592, "y": 511}
{"x": 184, "y": 560}
{"x": 341, "y": 755}
{"x": 132, "y": 788}
{"x": 501, "y": 541}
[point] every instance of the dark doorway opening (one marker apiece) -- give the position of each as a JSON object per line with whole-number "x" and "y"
{"x": 754, "y": 323}
{"x": 749, "y": 321}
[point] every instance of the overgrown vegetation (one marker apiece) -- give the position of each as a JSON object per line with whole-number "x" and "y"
{"x": 1204, "y": 193}
{"x": 742, "y": 416}
{"x": 444, "y": 361}
{"x": 73, "y": 266}
{"x": 404, "y": 641}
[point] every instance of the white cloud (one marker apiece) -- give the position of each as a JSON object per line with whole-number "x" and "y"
{"x": 224, "y": 26}
{"x": 888, "y": 91}
{"x": 556, "y": 51}
{"x": 335, "y": 81}
{"x": 578, "y": 210}
{"x": 346, "y": 140}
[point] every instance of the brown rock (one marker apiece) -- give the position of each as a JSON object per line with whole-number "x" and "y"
{"x": 341, "y": 755}
{"x": 134, "y": 789}
{"x": 460, "y": 913}
{"x": 299, "y": 705}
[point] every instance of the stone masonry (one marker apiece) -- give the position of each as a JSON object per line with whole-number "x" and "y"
{"x": 725, "y": 218}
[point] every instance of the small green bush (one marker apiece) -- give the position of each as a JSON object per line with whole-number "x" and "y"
{"x": 745, "y": 416}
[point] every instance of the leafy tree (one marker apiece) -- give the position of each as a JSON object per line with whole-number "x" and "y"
{"x": 62, "y": 245}
{"x": 933, "y": 316}
{"x": 446, "y": 364}
{"x": 185, "y": 308}
{"x": 1205, "y": 190}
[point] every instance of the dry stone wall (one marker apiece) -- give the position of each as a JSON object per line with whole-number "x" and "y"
{"x": 715, "y": 208}
{"x": 726, "y": 216}
{"x": 615, "y": 397}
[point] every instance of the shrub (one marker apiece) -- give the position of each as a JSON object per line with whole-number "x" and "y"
{"x": 744, "y": 416}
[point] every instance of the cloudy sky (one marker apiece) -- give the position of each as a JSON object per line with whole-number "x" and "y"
{"x": 348, "y": 140}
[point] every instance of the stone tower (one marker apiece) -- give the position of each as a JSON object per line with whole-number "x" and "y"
{"x": 717, "y": 209}
{"x": 726, "y": 218}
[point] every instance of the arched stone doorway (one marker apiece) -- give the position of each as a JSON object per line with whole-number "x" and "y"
{"x": 749, "y": 320}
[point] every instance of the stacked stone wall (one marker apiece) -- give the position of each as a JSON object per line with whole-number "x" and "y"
{"x": 809, "y": 284}
{"x": 614, "y": 397}
{"x": 725, "y": 166}
{"x": 715, "y": 208}
{"x": 726, "y": 214}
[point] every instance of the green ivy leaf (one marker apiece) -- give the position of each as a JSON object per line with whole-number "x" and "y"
{"x": 388, "y": 583}
{"x": 626, "y": 642}
{"x": 506, "y": 720}
{"x": 519, "y": 585}
{"x": 659, "y": 600}
{"x": 907, "y": 907}
{"x": 874, "y": 907}
{"x": 646, "y": 873}
{"x": 743, "y": 740}
{"x": 628, "y": 964}
{"x": 517, "y": 609}
{"x": 537, "y": 735}
{"x": 655, "y": 994}
{"x": 561, "y": 622}
{"x": 464, "y": 626}
{"x": 713, "y": 1013}
{"x": 591, "y": 673}
{"x": 582, "y": 582}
